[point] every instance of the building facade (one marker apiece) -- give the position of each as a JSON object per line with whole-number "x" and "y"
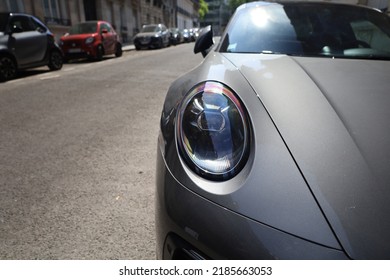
{"x": 218, "y": 15}
{"x": 187, "y": 15}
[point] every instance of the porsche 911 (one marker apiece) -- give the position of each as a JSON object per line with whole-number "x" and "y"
{"x": 277, "y": 146}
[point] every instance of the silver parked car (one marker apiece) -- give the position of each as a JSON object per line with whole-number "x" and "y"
{"x": 152, "y": 36}
{"x": 278, "y": 145}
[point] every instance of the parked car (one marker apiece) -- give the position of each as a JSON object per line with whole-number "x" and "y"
{"x": 25, "y": 42}
{"x": 152, "y": 36}
{"x": 175, "y": 36}
{"x": 277, "y": 145}
{"x": 194, "y": 32}
{"x": 91, "y": 39}
{"x": 187, "y": 35}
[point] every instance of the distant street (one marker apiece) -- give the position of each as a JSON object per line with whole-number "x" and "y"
{"x": 77, "y": 156}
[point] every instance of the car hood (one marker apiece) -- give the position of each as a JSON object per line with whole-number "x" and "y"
{"x": 333, "y": 116}
{"x": 78, "y": 36}
{"x": 146, "y": 34}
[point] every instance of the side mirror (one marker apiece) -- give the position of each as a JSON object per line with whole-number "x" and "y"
{"x": 204, "y": 41}
{"x": 104, "y": 31}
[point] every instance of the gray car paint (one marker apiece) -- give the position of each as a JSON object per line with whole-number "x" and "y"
{"x": 319, "y": 167}
{"x": 333, "y": 114}
{"x": 297, "y": 130}
{"x": 36, "y": 51}
{"x": 270, "y": 189}
{"x": 218, "y": 232}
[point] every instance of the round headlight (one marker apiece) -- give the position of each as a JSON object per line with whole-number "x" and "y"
{"x": 89, "y": 40}
{"x": 213, "y": 131}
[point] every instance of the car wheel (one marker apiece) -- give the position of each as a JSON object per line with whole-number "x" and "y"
{"x": 119, "y": 50}
{"x": 8, "y": 68}
{"x": 160, "y": 44}
{"x": 56, "y": 60}
{"x": 99, "y": 53}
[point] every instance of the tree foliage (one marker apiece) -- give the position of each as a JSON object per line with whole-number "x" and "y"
{"x": 203, "y": 8}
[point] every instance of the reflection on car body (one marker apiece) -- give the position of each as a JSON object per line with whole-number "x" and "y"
{"x": 277, "y": 145}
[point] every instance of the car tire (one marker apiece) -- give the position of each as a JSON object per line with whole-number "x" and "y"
{"x": 160, "y": 44}
{"x": 56, "y": 60}
{"x": 8, "y": 68}
{"x": 99, "y": 53}
{"x": 119, "y": 51}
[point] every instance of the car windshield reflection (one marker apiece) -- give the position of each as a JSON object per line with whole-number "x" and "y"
{"x": 150, "y": 29}
{"x": 310, "y": 30}
{"x": 83, "y": 28}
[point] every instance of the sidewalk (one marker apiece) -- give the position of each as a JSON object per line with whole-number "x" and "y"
{"x": 128, "y": 47}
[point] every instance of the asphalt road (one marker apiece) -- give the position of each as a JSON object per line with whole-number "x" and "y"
{"x": 77, "y": 156}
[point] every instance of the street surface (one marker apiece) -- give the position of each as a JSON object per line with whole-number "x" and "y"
{"x": 77, "y": 156}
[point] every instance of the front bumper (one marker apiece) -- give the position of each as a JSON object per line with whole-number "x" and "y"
{"x": 189, "y": 225}
{"x": 147, "y": 42}
{"x": 84, "y": 51}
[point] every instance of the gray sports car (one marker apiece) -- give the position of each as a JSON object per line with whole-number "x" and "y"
{"x": 278, "y": 145}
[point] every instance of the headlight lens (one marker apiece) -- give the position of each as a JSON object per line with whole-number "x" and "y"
{"x": 89, "y": 40}
{"x": 213, "y": 131}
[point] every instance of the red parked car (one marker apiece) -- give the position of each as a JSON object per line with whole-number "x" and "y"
{"x": 91, "y": 39}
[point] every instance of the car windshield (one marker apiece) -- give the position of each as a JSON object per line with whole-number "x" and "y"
{"x": 149, "y": 28}
{"x": 3, "y": 22}
{"x": 309, "y": 30}
{"x": 83, "y": 28}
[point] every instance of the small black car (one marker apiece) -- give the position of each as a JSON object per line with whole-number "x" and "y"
{"x": 25, "y": 42}
{"x": 176, "y": 36}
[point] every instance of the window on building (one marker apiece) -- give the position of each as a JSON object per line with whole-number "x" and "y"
{"x": 90, "y": 9}
{"x": 56, "y": 12}
{"x": 15, "y": 5}
{"x": 157, "y": 3}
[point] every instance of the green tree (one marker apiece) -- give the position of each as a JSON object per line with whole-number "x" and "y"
{"x": 203, "y": 8}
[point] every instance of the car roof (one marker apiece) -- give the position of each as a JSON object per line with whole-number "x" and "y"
{"x": 15, "y": 14}
{"x": 93, "y": 21}
{"x": 12, "y": 14}
{"x": 154, "y": 24}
